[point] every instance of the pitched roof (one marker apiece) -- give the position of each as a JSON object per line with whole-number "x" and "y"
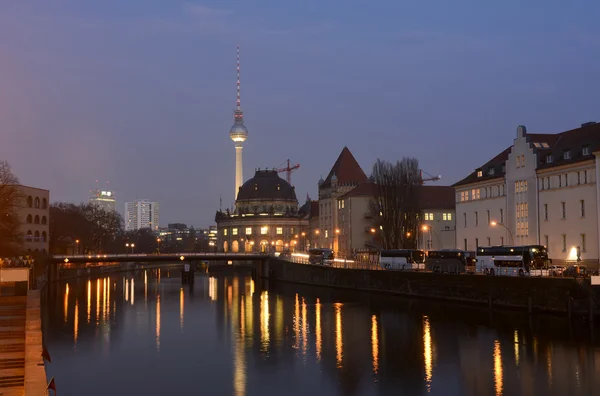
{"x": 436, "y": 197}
{"x": 346, "y": 169}
{"x": 362, "y": 190}
{"x": 546, "y": 144}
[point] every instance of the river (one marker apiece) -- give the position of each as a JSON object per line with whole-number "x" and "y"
{"x": 143, "y": 333}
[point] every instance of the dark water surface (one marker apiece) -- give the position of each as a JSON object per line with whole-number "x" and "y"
{"x": 144, "y": 334}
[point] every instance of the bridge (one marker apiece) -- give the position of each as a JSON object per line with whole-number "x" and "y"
{"x": 163, "y": 258}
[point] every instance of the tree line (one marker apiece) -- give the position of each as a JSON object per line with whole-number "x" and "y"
{"x": 395, "y": 203}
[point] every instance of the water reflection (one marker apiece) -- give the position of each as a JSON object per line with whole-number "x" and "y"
{"x": 296, "y": 340}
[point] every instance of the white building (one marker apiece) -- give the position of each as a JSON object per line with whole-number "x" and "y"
{"x": 141, "y": 213}
{"x": 104, "y": 199}
{"x": 541, "y": 190}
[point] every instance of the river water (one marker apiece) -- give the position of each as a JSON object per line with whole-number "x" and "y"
{"x": 144, "y": 334}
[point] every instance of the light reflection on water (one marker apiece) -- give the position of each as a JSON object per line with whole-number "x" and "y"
{"x": 343, "y": 345}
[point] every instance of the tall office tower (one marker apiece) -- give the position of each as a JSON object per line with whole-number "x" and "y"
{"x": 141, "y": 213}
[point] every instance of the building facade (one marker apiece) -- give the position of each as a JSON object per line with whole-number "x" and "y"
{"x": 34, "y": 212}
{"x": 141, "y": 213}
{"x": 345, "y": 175}
{"x": 104, "y": 199}
{"x": 541, "y": 190}
{"x": 438, "y": 220}
{"x": 266, "y": 217}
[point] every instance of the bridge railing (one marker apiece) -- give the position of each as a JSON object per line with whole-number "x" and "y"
{"x": 300, "y": 258}
{"x": 137, "y": 255}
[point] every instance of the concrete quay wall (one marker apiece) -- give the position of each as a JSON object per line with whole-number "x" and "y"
{"x": 35, "y": 370}
{"x": 556, "y": 295}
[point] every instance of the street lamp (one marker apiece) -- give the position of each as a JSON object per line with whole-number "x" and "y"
{"x": 77, "y": 244}
{"x": 512, "y": 239}
{"x": 158, "y": 244}
{"x": 426, "y": 228}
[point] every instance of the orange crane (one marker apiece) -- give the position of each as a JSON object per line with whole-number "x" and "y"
{"x": 288, "y": 170}
{"x": 428, "y": 177}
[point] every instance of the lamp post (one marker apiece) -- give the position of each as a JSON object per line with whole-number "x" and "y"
{"x": 428, "y": 228}
{"x": 303, "y": 241}
{"x": 512, "y": 239}
{"x": 158, "y": 245}
{"x": 130, "y": 245}
{"x": 77, "y": 244}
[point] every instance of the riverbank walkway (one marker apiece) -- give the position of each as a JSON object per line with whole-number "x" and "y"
{"x": 22, "y": 370}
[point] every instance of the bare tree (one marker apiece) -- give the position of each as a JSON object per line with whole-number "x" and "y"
{"x": 395, "y": 202}
{"x": 11, "y": 240}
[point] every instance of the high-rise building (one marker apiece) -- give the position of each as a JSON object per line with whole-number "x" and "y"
{"x": 141, "y": 213}
{"x": 238, "y": 133}
{"x": 104, "y": 199}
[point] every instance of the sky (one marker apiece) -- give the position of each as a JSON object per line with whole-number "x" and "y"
{"x": 140, "y": 93}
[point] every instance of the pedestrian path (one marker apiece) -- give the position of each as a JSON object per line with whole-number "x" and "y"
{"x": 12, "y": 345}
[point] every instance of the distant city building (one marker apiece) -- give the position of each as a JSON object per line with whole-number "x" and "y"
{"x": 141, "y": 213}
{"x": 212, "y": 237}
{"x": 541, "y": 190}
{"x": 35, "y": 218}
{"x": 104, "y": 199}
{"x": 266, "y": 217}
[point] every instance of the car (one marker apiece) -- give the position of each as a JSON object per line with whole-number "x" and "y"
{"x": 575, "y": 270}
{"x": 556, "y": 270}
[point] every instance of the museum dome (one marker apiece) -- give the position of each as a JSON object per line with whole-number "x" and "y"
{"x": 266, "y": 185}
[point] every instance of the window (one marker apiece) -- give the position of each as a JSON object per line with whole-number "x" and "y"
{"x": 44, "y": 236}
{"x": 475, "y": 193}
{"x": 567, "y": 155}
{"x": 559, "y": 180}
{"x": 582, "y": 207}
{"x": 464, "y": 196}
{"x": 44, "y": 220}
{"x": 586, "y": 150}
{"x": 489, "y": 241}
{"x": 29, "y": 219}
{"x": 525, "y": 186}
{"x": 234, "y": 231}
{"x": 583, "y": 242}
{"x": 549, "y": 159}
{"x": 476, "y": 219}
{"x": 488, "y": 217}
{"x": 545, "y": 211}
{"x": 578, "y": 178}
{"x": 564, "y": 210}
{"x": 428, "y": 216}
{"x": 526, "y": 229}
{"x": 279, "y": 230}
{"x": 526, "y": 209}
{"x": 29, "y": 201}
{"x": 465, "y": 216}
{"x": 479, "y": 173}
{"x": 44, "y": 203}
{"x": 248, "y": 230}
{"x": 501, "y": 216}
{"x": 476, "y": 242}
{"x": 225, "y": 231}
{"x": 501, "y": 241}
{"x": 585, "y": 177}
{"x": 491, "y": 171}
{"x": 566, "y": 179}
{"x": 546, "y": 243}
{"x": 343, "y": 203}
{"x": 326, "y": 233}
{"x": 564, "y": 243}
{"x": 291, "y": 230}
{"x": 36, "y": 203}
{"x": 518, "y": 161}
{"x": 447, "y": 216}
{"x": 465, "y": 244}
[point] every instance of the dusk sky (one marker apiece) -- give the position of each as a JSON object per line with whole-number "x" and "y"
{"x": 140, "y": 93}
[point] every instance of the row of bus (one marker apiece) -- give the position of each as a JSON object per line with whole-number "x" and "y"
{"x": 492, "y": 260}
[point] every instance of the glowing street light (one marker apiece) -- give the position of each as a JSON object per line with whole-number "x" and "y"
{"x": 512, "y": 239}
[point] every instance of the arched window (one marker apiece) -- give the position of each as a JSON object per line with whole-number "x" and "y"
{"x": 248, "y": 246}
{"x": 44, "y": 236}
{"x": 44, "y": 203}
{"x": 29, "y": 201}
{"x": 279, "y": 246}
{"x": 29, "y": 219}
{"x": 37, "y": 235}
{"x": 225, "y": 247}
{"x": 36, "y": 203}
{"x": 29, "y": 235}
{"x": 36, "y": 220}
{"x": 235, "y": 246}
{"x": 264, "y": 244}
{"x": 44, "y": 220}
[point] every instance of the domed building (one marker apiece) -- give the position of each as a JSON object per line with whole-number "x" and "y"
{"x": 266, "y": 217}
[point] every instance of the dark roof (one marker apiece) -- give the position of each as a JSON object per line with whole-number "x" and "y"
{"x": 436, "y": 197}
{"x": 545, "y": 144}
{"x": 346, "y": 169}
{"x": 266, "y": 185}
{"x": 362, "y": 190}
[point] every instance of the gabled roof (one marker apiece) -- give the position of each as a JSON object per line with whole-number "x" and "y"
{"x": 545, "y": 144}
{"x": 436, "y": 197}
{"x": 346, "y": 169}
{"x": 362, "y": 190}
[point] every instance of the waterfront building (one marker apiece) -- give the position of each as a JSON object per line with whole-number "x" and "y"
{"x": 34, "y": 212}
{"x": 540, "y": 190}
{"x": 104, "y": 199}
{"x": 141, "y": 213}
{"x": 359, "y": 233}
{"x": 266, "y": 217}
{"x": 344, "y": 176}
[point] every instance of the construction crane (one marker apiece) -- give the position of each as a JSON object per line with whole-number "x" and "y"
{"x": 428, "y": 177}
{"x": 288, "y": 170}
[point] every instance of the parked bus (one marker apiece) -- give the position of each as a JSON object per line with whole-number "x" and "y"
{"x": 512, "y": 260}
{"x": 450, "y": 261}
{"x": 320, "y": 256}
{"x": 402, "y": 259}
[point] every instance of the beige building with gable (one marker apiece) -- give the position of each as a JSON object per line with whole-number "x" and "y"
{"x": 541, "y": 190}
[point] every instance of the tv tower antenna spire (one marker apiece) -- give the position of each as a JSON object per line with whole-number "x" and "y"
{"x": 237, "y": 103}
{"x": 238, "y": 132}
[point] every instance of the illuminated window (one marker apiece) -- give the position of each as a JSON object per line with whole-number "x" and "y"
{"x": 279, "y": 230}
{"x": 326, "y": 233}
{"x": 447, "y": 216}
{"x": 428, "y": 216}
{"x": 234, "y": 231}
{"x": 479, "y": 173}
{"x": 248, "y": 230}
{"x": 263, "y": 230}
{"x": 225, "y": 231}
